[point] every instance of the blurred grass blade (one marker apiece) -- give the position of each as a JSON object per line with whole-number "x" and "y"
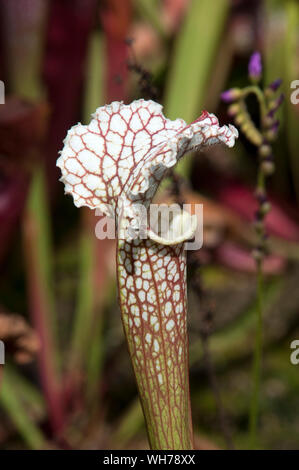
{"x": 94, "y": 95}
{"x": 130, "y": 424}
{"x": 24, "y": 19}
{"x": 85, "y": 303}
{"x": 38, "y": 277}
{"x": 19, "y": 408}
{"x": 37, "y": 208}
{"x": 29, "y": 394}
{"x": 192, "y": 62}
{"x": 149, "y": 11}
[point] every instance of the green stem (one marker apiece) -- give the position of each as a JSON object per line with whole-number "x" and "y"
{"x": 253, "y": 89}
{"x": 256, "y": 370}
{"x": 257, "y": 360}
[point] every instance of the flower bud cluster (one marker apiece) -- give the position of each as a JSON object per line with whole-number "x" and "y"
{"x": 261, "y": 136}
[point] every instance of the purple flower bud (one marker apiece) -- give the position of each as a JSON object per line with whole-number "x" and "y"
{"x": 231, "y": 95}
{"x": 275, "y": 127}
{"x": 255, "y": 67}
{"x": 273, "y": 131}
{"x": 275, "y": 104}
{"x": 280, "y": 100}
{"x": 275, "y": 85}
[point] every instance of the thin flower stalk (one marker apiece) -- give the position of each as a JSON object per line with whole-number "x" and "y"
{"x": 262, "y": 137}
{"x": 116, "y": 164}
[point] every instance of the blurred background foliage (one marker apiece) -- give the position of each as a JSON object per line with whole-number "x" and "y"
{"x": 67, "y": 382}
